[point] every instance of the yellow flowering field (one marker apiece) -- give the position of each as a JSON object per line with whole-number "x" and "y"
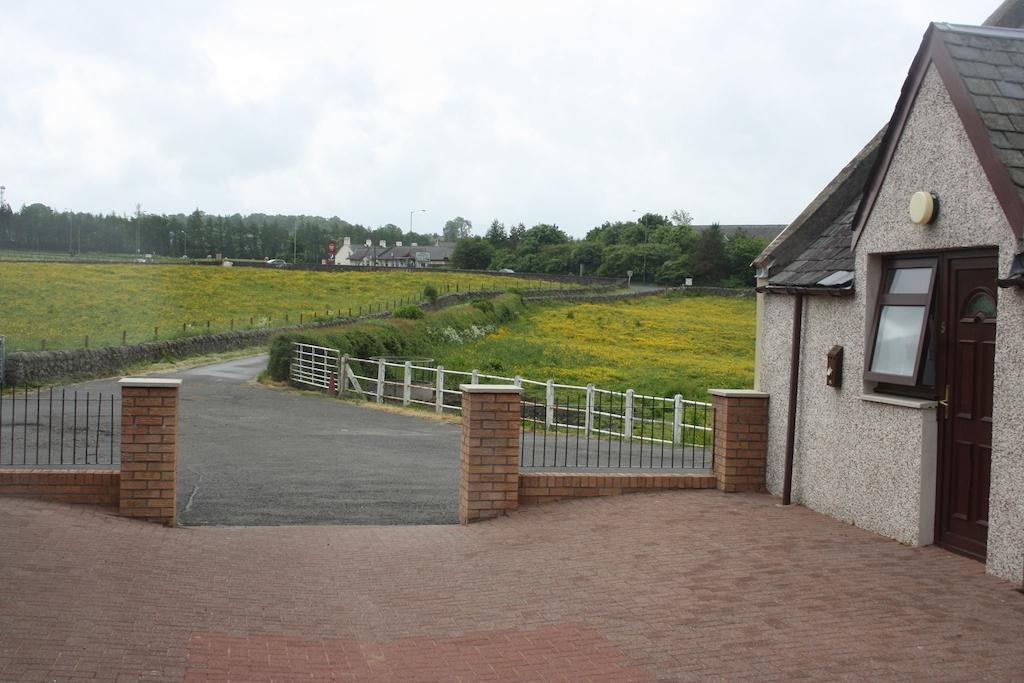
{"x": 61, "y": 303}
{"x": 658, "y": 345}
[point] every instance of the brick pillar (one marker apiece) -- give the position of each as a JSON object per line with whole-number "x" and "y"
{"x": 149, "y": 448}
{"x": 741, "y": 438}
{"x": 489, "y": 454}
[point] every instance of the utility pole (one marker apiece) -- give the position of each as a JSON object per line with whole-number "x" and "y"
{"x": 138, "y": 225}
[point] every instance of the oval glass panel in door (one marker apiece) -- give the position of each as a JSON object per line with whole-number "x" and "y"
{"x": 980, "y": 303}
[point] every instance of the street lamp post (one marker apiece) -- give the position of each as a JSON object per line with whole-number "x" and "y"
{"x": 643, "y": 271}
{"x": 410, "y": 216}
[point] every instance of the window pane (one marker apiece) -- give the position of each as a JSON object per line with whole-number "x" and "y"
{"x": 910, "y": 281}
{"x": 899, "y": 329}
{"x": 981, "y": 303}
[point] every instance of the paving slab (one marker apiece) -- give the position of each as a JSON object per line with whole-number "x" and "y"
{"x": 686, "y": 585}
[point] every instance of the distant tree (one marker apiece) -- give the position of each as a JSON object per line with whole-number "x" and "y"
{"x": 472, "y": 253}
{"x": 496, "y": 234}
{"x": 681, "y": 217}
{"x": 541, "y": 235}
{"x": 709, "y": 262}
{"x": 515, "y": 234}
{"x": 390, "y": 233}
{"x": 674, "y": 272}
{"x": 741, "y": 250}
{"x": 457, "y": 228}
{"x": 586, "y": 254}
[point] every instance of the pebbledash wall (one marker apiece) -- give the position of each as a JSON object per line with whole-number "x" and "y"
{"x": 868, "y": 459}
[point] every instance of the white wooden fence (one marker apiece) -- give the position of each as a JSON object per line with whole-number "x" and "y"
{"x": 616, "y": 414}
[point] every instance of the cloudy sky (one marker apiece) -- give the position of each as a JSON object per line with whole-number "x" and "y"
{"x": 564, "y": 111}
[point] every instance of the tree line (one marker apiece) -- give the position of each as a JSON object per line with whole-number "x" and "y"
{"x": 37, "y": 227}
{"x": 661, "y": 249}
{"x": 656, "y": 248}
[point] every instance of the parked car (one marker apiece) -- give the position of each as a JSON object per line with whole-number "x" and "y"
{"x": 277, "y": 263}
{"x": 506, "y": 270}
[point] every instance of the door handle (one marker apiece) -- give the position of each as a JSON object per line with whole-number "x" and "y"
{"x": 944, "y": 402}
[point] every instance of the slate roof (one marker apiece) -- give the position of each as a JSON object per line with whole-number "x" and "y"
{"x": 827, "y": 254}
{"x": 991, "y": 63}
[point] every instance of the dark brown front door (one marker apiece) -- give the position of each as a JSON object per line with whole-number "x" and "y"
{"x": 965, "y": 434}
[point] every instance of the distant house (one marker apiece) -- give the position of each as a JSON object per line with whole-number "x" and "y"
{"x": 768, "y": 232}
{"x": 891, "y": 313}
{"x": 397, "y": 256}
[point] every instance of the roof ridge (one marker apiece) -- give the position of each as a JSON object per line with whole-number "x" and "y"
{"x": 989, "y": 31}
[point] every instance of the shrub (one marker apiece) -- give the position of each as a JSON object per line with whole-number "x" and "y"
{"x": 410, "y": 312}
{"x": 430, "y": 293}
{"x": 482, "y": 305}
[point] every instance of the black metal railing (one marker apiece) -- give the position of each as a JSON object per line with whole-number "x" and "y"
{"x": 616, "y": 431}
{"x": 59, "y": 426}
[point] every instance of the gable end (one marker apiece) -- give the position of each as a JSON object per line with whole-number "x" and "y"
{"x": 934, "y": 51}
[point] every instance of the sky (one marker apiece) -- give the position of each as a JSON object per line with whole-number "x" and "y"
{"x": 562, "y": 111}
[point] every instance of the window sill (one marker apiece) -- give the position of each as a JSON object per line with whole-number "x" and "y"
{"x": 902, "y": 401}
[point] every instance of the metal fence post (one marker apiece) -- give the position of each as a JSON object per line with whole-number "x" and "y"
{"x": 588, "y": 416}
{"x": 475, "y": 377}
{"x": 439, "y": 397}
{"x": 343, "y": 372}
{"x": 407, "y": 384}
{"x": 380, "y": 380}
{"x": 549, "y": 400}
{"x": 517, "y": 380}
{"x": 677, "y": 419}
{"x": 627, "y": 428}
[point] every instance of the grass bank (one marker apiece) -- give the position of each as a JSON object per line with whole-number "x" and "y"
{"x": 450, "y": 326}
{"x": 664, "y": 345}
{"x": 58, "y": 305}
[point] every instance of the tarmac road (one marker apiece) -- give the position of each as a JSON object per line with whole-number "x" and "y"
{"x": 249, "y": 455}
{"x": 257, "y": 456}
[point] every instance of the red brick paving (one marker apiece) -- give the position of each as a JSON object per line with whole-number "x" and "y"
{"x": 685, "y": 585}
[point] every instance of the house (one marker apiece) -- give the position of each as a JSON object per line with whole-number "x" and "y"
{"x": 768, "y": 232}
{"x": 891, "y": 313}
{"x": 397, "y": 256}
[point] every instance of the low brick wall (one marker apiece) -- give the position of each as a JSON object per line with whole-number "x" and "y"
{"x": 546, "y": 487}
{"x": 83, "y": 487}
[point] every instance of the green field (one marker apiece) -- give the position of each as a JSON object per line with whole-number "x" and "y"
{"x": 57, "y": 305}
{"x": 659, "y": 345}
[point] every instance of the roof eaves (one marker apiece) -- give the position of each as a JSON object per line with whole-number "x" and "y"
{"x": 826, "y": 206}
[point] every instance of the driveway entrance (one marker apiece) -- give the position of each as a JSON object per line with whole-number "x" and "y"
{"x": 252, "y": 456}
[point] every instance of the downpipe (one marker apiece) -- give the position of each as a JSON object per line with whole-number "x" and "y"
{"x": 794, "y": 379}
